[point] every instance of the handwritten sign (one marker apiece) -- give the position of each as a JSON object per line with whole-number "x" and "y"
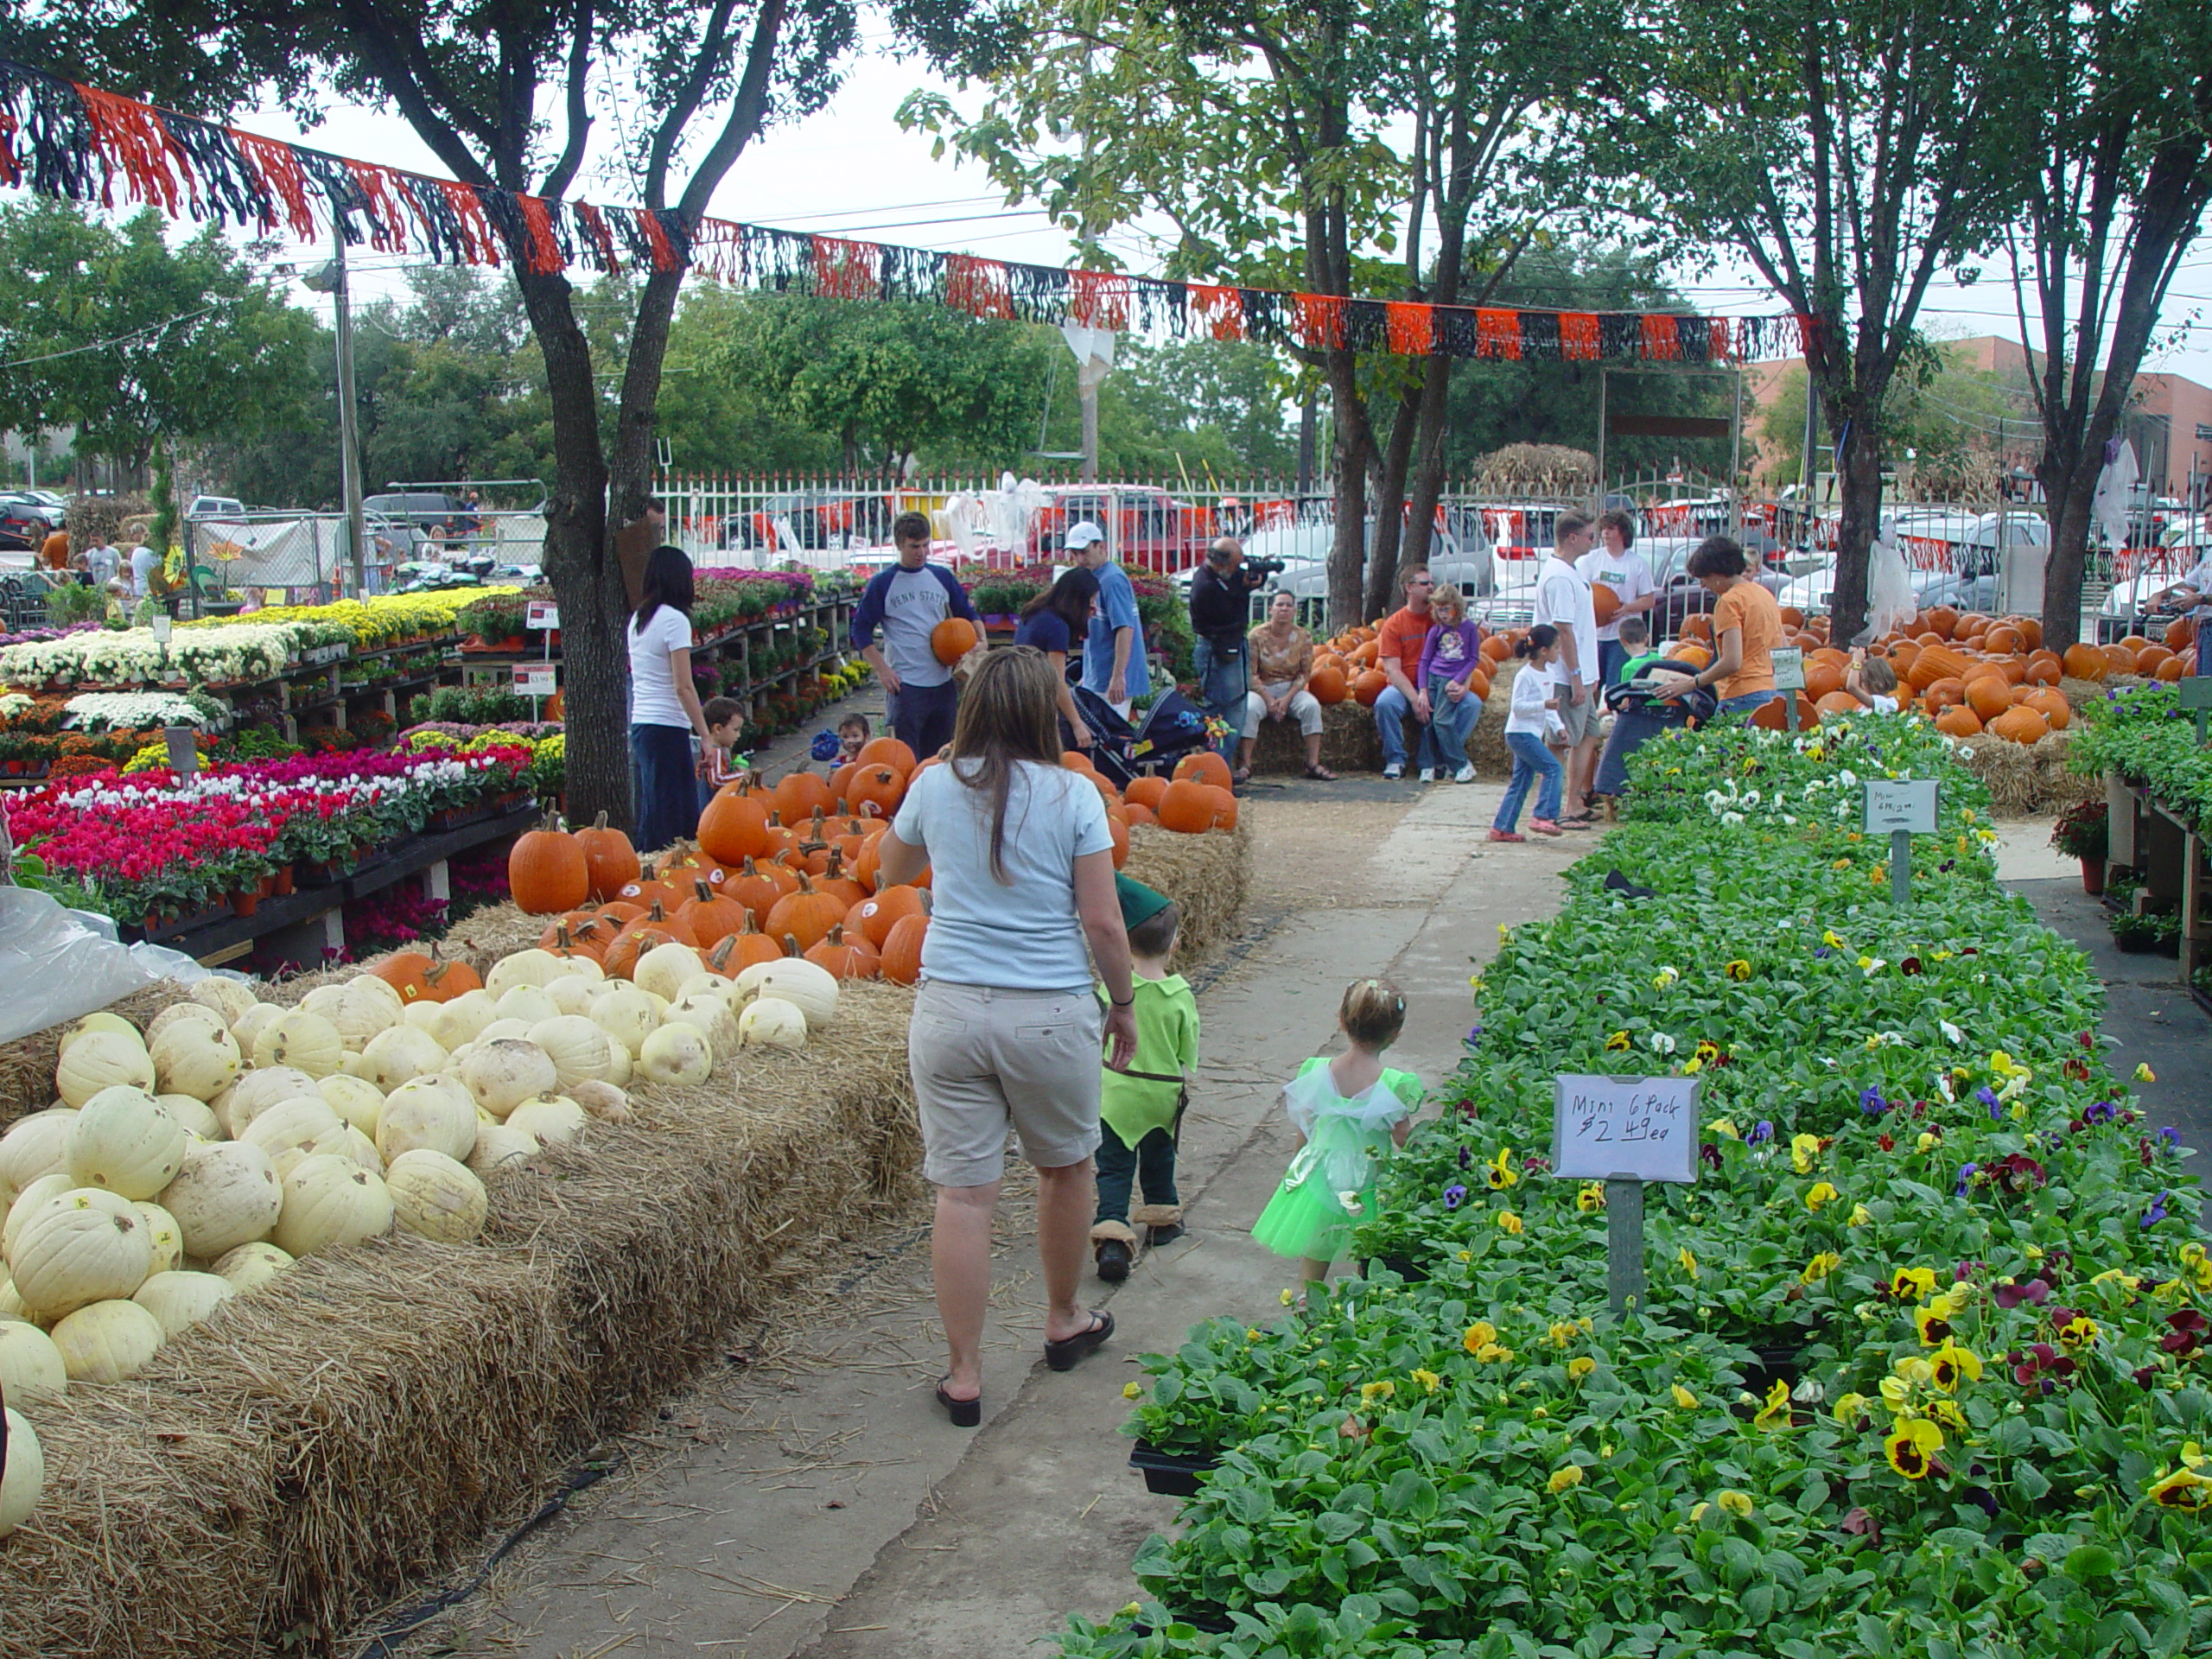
{"x": 161, "y": 627}
{"x": 534, "y": 680}
{"x": 541, "y": 614}
{"x": 1788, "y": 668}
{"x": 1901, "y": 806}
{"x": 1630, "y": 1129}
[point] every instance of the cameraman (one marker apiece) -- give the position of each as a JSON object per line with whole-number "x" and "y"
{"x": 1221, "y": 615}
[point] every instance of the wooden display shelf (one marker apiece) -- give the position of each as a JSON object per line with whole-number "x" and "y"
{"x": 2146, "y": 835}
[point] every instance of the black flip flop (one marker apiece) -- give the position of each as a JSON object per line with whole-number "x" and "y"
{"x": 1062, "y": 1355}
{"x": 965, "y": 1414}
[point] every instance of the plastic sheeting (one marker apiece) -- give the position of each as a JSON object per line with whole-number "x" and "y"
{"x": 1891, "y": 602}
{"x": 61, "y": 964}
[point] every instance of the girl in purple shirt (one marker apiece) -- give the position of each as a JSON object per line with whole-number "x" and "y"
{"x": 1449, "y": 657}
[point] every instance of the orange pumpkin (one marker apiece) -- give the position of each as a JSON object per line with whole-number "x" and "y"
{"x": 1369, "y": 685}
{"x": 1958, "y": 722}
{"x": 840, "y": 780}
{"x": 2022, "y": 725}
{"x": 2119, "y": 657}
{"x": 2181, "y": 633}
{"x": 1478, "y": 685}
{"x": 1118, "y": 827}
{"x": 807, "y": 915}
{"x": 546, "y": 871}
{"x": 886, "y": 751}
{"x": 2174, "y": 667}
{"x": 953, "y": 638}
{"x": 839, "y": 886}
{"x": 650, "y": 889}
{"x": 2148, "y": 659}
{"x": 901, "y": 954}
{"x": 1944, "y": 694}
{"x": 1224, "y": 806}
{"x": 874, "y": 917}
{"x": 609, "y": 859}
{"x": 742, "y": 950}
{"x": 846, "y": 955}
{"x": 558, "y": 943}
{"x": 1943, "y": 622}
{"x": 1775, "y": 715}
{"x": 421, "y": 977}
{"x": 1832, "y": 702}
{"x": 1823, "y": 680}
{"x": 1187, "y": 809}
{"x": 1146, "y": 792}
{"x": 1792, "y": 617}
{"x": 877, "y": 790}
{"x": 2052, "y": 706}
{"x": 2004, "y": 641}
{"x": 711, "y": 916}
{"x": 1988, "y": 696}
{"x": 2042, "y": 668}
{"x": 2086, "y": 662}
{"x": 734, "y": 826}
{"x": 1697, "y": 625}
{"x": 580, "y": 932}
{"x": 1605, "y": 602}
{"x": 1695, "y": 655}
{"x": 1138, "y": 815}
{"x": 1328, "y": 685}
{"x": 1205, "y": 766}
{"x": 620, "y": 961}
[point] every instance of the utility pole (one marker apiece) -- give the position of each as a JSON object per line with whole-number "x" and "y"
{"x": 331, "y": 280}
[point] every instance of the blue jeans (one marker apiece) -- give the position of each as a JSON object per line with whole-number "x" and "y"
{"x": 1611, "y": 655}
{"x": 667, "y": 785}
{"x": 1391, "y": 711}
{"x": 921, "y": 716}
{"x": 1221, "y": 690}
{"x": 1531, "y": 760}
{"x": 1749, "y": 702}
{"x": 1443, "y": 744}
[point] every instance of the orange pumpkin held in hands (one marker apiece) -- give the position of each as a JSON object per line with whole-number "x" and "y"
{"x": 546, "y": 872}
{"x": 953, "y": 638}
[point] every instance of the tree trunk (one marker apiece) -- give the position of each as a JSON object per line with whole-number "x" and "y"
{"x": 1353, "y": 448}
{"x": 1427, "y": 488}
{"x": 1862, "y": 518}
{"x": 1390, "y": 508}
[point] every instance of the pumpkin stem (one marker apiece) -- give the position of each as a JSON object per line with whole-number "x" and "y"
{"x": 706, "y": 893}
{"x": 656, "y": 914}
{"x": 750, "y": 925}
{"x": 791, "y": 945}
{"x": 804, "y": 886}
{"x": 718, "y": 958}
{"x": 600, "y": 822}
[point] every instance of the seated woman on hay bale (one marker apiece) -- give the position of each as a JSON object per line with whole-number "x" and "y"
{"x": 1281, "y": 654}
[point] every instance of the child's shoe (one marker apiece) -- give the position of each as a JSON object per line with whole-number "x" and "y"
{"x": 1497, "y": 834}
{"x": 1113, "y": 1246}
{"x": 1544, "y": 827}
{"x": 1162, "y": 1223}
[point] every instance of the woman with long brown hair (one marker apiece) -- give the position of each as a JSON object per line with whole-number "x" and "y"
{"x": 1006, "y": 1029}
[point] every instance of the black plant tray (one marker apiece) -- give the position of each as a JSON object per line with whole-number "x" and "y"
{"x": 1171, "y": 1474}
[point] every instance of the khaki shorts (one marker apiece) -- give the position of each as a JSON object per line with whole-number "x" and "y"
{"x": 983, "y": 1058}
{"x": 1579, "y": 716}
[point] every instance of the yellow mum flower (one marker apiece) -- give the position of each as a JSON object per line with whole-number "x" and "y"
{"x": 1688, "y": 1261}
{"x": 1132, "y": 1391}
{"x": 1803, "y": 1148}
{"x": 1734, "y": 1502}
{"x": 1684, "y": 1398}
{"x": 1371, "y": 1392}
{"x": 1510, "y": 1222}
{"x": 1579, "y": 1367}
{"x": 1566, "y": 1478}
{"x": 1428, "y": 1380}
{"x": 1479, "y": 1335}
{"x": 1823, "y": 1193}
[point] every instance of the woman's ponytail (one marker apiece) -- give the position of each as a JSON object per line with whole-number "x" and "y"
{"x": 1543, "y": 637}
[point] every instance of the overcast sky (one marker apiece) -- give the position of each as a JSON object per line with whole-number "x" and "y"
{"x": 849, "y": 170}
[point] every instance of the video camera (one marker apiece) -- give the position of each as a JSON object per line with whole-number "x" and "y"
{"x": 1260, "y": 569}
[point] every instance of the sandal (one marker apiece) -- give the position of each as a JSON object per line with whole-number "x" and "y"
{"x": 1322, "y": 773}
{"x": 1243, "y": 775}
{"x": 965, "y": 1414}
{"x": 1062, "y": 1355}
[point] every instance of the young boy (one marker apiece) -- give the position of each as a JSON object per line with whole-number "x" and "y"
{"x": 725, "y": 718}
{"x": 853, "y": 732}
{"x": 1612, "y": 776}
{"x": 1140, "y": 1109}
{"x": 1636, "y": 646}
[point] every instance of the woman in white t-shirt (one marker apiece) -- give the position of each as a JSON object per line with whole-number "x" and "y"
{"x": 1005, "y": 1028}
{"x": 664, "y": 714}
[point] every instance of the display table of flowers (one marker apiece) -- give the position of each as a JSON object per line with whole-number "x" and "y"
{"x": 2158, "y": 814}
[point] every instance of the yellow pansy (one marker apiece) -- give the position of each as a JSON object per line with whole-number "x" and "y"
{"x": 1562, "y": 1335}
{"x": 1823, "y": 1193}
{"x": 2197, "y": 1265}
{"x": 1288, "y": 1296}
{"x": 1428, "y": 1380}
{"x": 1481, "y": 1333}
{"x": 1915, "y": 1283}
{"x": 1912, "y": 1448}
{"x": 1132, "y": 1391}
{"x": 1509, "y": 1222}
{"x": 1688, "y": 1261}
{"x": 1502, "y": 1175}
{"x": 1860, "y": 1214}
{"x": 1684, "y": 1398}
{"x": 1723, "y": 1126}
{"x": 1491, "y": 1353}
{"x": 1851, "y": 1410}
{"x": 1952, "y": 1365}
{"x": 1580, "y": 1366}
{"x": 1775, "y": 1414}
{"x": 1566, "y": 1478}
{"x": 1733, "y": 1503}
{"x": 1803, "y": 1148}
{"x": 1371, "y": 1392}
{"x": 1590, "y": 1196}
{"x": 1831, "y": 939}
{"x": 1738, "y": 970}
{"x": 1819, "y": 1266}
{"x": 1617, "y": 1042}
{"x": 2144, "y": 1073}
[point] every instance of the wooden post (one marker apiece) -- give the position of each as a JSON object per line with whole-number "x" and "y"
{"x": 1625, "y": 1243}
{"x": 1901, "y": 866}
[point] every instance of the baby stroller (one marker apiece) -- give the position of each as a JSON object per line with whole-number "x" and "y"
{"x": 1640, "y": 712}
{"x": 1171, "y": 729}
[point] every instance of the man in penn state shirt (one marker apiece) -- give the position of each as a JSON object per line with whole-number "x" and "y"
{"x": 907, "y": 601}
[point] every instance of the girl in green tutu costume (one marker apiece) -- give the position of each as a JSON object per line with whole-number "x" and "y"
{"x": 1351, "y": 1113}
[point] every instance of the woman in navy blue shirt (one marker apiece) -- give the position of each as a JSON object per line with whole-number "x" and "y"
{"x": 1056, "y": 622}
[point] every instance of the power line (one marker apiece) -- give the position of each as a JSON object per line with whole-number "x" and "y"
{"x": 120, "y": 339}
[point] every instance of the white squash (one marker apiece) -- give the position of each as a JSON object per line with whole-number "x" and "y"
{"x": 248, "y": 1026}
{"x": 663, "y": 969}
{"x": 330, "y": 1203}
{"x": 619, "y": 1073}
{"x": 102, "y": 1059}
{"x": 227, "y": 1194}
{"x": 296, "y": 1129}
{"x": 573, "y": 993}
{"x": 251, "y": 1266}
{"x": 12, "y": 1306}
{"x": 400, "y": 1054}
{"x": 355, "y": 1016}
{"x": 554, "y": 1119}
{"x": 229, "y": 998}
{"x": 713, "y": 1020}
{"x": 532, "y": 967}
{"x": 301, "y": 1039}
{"x": 259, "y": 1090}
{"x": 505, "y": 1031}
{"x": 178, "y": 1011}
{"x": 422, "y": 1014}
{"x": 436, "y": 1197}
{"x": 107, "y": 1341}
{"x": 602, "y": 1101}
{"x": 362, "y": 1151}
{"x": 164, "y": 1238}
{"x": 772, "y": 1022}
{"x": 578, "y": 1048}
{"x": 677, "y": 1055}
{"x": 660, "y": 1004}
{"x": 463, "y": 1019}
{"x": 79, "y": 1247}
{"x": 626, "y": 1015}
{"x": 356, "y": 1100}
{"x": 433, "y": 1112}
{"x": 27, "y": 1201}
{"x": 527, "y": 1003}
{"x": 502, "y": 1074}
{"x": 24, "y": 1475}
{"x": 31, "y": 1365}
{"x": 123, "y": 1142}
{"x": 92, "y": 1022}
{"x": 807, "y": 986}
{"x": 497, "y": 1144}
{"x": 195, "y": 1056}
{"x": 196, "y": 1116}
{"x": 708, "y": 983}
{"x": 34, "y": 1145}
{"x": 180, "y": 1300}
{"x": 380, "y": 992}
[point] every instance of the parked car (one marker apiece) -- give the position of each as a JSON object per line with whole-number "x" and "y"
{"x": 436, "y": 515}
{"x": 25, "y": 521}
{"x": 215, "y": 506}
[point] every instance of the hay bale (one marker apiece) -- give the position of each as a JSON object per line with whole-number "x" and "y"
{"x": 1208, "y": 877}
{"x": 2028, "y": 782}
{"x": 1486, "y": 743}
{"x": 27, "y": 1065}
{"x": 1349, "y": 743}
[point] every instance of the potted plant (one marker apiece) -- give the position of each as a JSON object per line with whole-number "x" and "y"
{"x": 2084, "y": 831}
{"x": 2142, "y": 933}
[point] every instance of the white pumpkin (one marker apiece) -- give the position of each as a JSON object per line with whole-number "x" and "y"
{"x": 554, "y": 1119}
{"x": 713, "y": 1020}
{"x": 356, "y": 1016}
{"x": 329, "y": 1203}
{"x": 248, "y": 1026}
{"x": 505, "y": 1031}
{"x": 229, "y": 998}
{"x": 195, "y": 1116}
{"x": 180, "y": 1300}
{"x": 708, "y": 983}
{"x": 12, "y": 1306}
{"x": 380, "y": 992}
{"x": 807, "y": 986}
{"x": 178, "y": 1011}
{"x": 259, "y": 1090}
{"x": 107, "y": 1341}
{"x": 626, "y": 1015}
{"x": 195, "y": 1056}
{"x": 463, "y": 1019}
{"x": 578, "y": 1049}
{"x": 362, "y": 1151}
{"x": 660, "y": 1004}
{"x": 79, "y": 1247}
{"x": 500, "y": 1075}
{"x": 497, "y": 1144}
{"x": 27, "y": 1201}
{"x": 301, "y": 1039}
{"x": 296, "y": 1129}
{"x": 624, "y": 1064}
{"x": 663, "y": 969}
{"x": 529, "y": 1004}
{"x": 772, "y": 1022}
{"x": 102, "y": 1059}
{"x": 602, "y": 1101}
{"x": 436, "y": 1197}
{"x": 573, "y": 993}
{"x": 164, "y": 1238}
{"x": 34, "y": 1145}
{"x": 31, "y": 1365}
{"x": 356, "y": 1100}
{"x": 422, "y": 1014}
{"x": 400, "y": 1054}
{"x": 433, "y": 1112}
{"x": 251, "y": 1266}
{"x": 532, "y": 967}
{"x": 123, "y": 1142}
{"x": 24, "y": 1477}
{"x": 227, "y": 1194}
{"x": 92, "y": 1022}
{"x": 677, "y": 1055}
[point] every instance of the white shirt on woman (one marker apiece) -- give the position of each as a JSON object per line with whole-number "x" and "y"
{"x": 652, "y": 682}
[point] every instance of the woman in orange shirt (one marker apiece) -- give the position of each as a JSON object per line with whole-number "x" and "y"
{"x": 53, "y": 552}
{"x": 1746, "y": 627}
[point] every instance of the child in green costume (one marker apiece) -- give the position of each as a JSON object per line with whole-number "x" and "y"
{"x": 1351, "y": 1113}
{"x": 1140, "y": 1110}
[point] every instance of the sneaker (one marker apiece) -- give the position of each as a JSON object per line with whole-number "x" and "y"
{"x": 1497, "y": 834}
{"x": 1156, "y": 1237}
{"x": 1543, "y": 827}
{"x": 1113, "y": 1260}
{"x": 1466, "y": 774}
{"x": 1392, "y": 772}
{"x": 1428, "y": 774}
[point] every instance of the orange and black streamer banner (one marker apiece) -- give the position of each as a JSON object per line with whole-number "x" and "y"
{"x": 81, "y": 145}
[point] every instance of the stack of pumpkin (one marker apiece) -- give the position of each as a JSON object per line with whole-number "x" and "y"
{"x": 1345, "y": 667}
{"x": 793, "y": 872}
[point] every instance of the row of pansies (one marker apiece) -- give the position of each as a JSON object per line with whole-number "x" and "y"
{"x": 153, "y": 851}
{"x": 1920, "y": 1367}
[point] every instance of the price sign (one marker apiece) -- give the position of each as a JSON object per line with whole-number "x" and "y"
{"x": 541, "y": 614}
{"x": 1625, "y": 1128}
{"x": 534, "y": 680}
{"x": 161, "y": 627}
{"x": 1901, "y": 806}
{"x": 1788, "y": 668}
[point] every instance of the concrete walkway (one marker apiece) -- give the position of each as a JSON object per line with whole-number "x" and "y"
{"x": 813, "y": 1500}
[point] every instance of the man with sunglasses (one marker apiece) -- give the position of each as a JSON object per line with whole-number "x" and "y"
{"x": 1398, "y": 655}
